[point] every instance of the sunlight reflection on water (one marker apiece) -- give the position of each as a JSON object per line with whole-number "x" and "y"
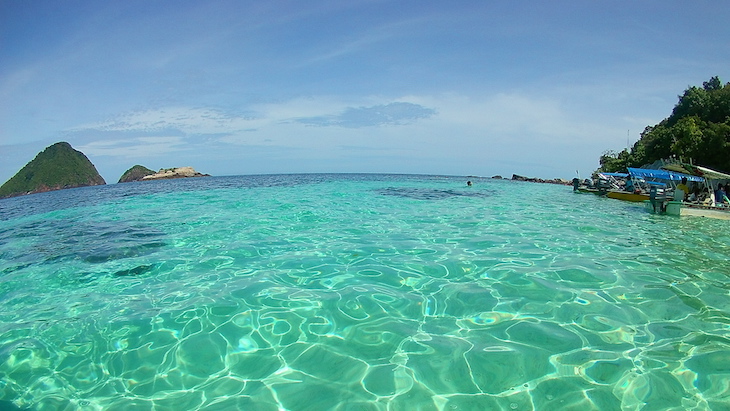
{"x": 357, "y": 291}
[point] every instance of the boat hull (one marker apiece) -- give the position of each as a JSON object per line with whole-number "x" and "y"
{"x": 583, "y": 190}
{"x": 677, "y": 208}
{"x": 710, "y": 212}
{"x": 627, "y": 196}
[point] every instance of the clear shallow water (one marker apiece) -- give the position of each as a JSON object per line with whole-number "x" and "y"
{"x": 358, "y": 292}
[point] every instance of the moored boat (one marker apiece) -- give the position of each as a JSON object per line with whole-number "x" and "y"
{"x": 702, "y": 202}
{"x": 627, "y": 196}
{"x": 586, "y": 190}
{"x": 679, "y": 208}
{"x": 722, "y": 213}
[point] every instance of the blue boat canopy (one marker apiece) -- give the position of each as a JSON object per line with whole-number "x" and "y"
{"x": 662, "y": 174}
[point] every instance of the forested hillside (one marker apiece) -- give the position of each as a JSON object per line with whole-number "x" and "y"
{"x": 57, "y": 167}
{"x": 698, "y": 130}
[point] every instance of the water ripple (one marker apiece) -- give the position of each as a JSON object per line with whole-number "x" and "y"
{"x": 358, "y": 291}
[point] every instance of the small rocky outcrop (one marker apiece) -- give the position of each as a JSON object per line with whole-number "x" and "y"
{"x": 136, "y": 173}
{"x": 57, "y": 167}
{"x": 516, "y": 177}
{"x": 179, "y": 172}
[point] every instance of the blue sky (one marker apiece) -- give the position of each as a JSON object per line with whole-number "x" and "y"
{"x": 537, "y": 88}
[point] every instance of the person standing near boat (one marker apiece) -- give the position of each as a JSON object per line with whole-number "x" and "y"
{"x": 630, "y": 187}
{"x": 720, "y": 195}
{"x": 680, "y": 193}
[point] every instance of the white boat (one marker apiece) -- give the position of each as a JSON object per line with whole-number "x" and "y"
{"x": 706, "y": 208}
{"x": 680, "y": 208}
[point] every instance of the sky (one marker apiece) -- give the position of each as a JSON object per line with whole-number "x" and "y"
{"x": 481, "y": 87}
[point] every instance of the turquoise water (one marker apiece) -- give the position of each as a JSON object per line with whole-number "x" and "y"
{"x": 358, "y": 292}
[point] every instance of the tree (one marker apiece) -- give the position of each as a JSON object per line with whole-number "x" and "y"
{"x": 698, "y": 128}
{"x": 688, "y": 137}
{"x": 716, "y": 146}
{"x": 713, "y": 84}
{"x": 657, "y": 143}
{"x": 613, "y": 162}
{"x": 694, "y": 102}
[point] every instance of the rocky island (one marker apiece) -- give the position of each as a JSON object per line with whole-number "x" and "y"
{"x": 136, "y": 173}
{"x": 60, "y": 166}
{"x": 141, "y": 173}
{"x": 561, "y": 181}
{"x": 57, "y": 167}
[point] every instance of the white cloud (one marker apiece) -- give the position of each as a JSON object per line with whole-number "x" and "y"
{"x": 191, "y": 121}
{"x": 502, "y": 117}
{"x": 498, "y": 114}
{"x": 12, "y": 83}
{"x": 434, "y": 126}
{"x": 135, "y": 147}
{"x": 300, "y": 107}
{"x": 397, "y": 113}
{"x": 186, "y": 120}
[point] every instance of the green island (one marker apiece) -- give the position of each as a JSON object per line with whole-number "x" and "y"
{"x": 57, "y": 167}
{"x": 697, "y": 131}
{"x": 60, "y": 166}
{"x": 135, "y": 173}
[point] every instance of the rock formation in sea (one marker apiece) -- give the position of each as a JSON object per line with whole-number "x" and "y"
{"x": 57, "y": 167}
{"x": 516, "y": 177}
{"x": 178, "y": 172}
{"x": 136, "y": 173}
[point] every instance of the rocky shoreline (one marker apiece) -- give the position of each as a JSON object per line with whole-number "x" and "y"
{"x": 517, "y": 177}
{"x": 178, "y": 172}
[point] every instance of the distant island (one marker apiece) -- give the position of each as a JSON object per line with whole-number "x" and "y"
{"x": 60, "y": 166}
{"x": 57, "y": 167}
{"x": 136, "y": 173}
{"x": 141, "y": 173}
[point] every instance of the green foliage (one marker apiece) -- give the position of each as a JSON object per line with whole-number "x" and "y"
{"x": 58, "y": 166}
{"x": 698, "y": 129}
{"x": 712, "y": 85}
{"x": 135, "y": 173}
{"x": 613, "y": 162}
